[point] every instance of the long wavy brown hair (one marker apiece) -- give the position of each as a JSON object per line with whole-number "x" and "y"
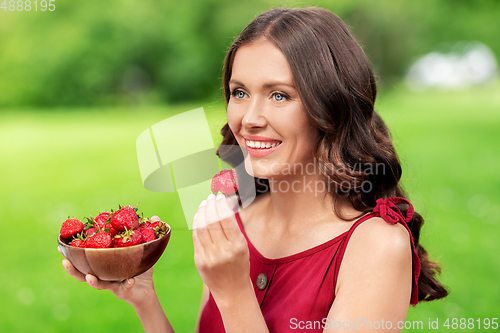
{"x": 335, "y": 81}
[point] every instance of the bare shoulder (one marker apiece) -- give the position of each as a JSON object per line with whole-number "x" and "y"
{"x": 376, "y": 234}
{"x": 375, "y": 276}
{"x": 376, "y": 248}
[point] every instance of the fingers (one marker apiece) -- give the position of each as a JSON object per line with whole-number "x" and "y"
{"x": 155, "y": 218}
{"x": 95, "y": 282}
{"x": 114, "y": 287}
{"x": 73, "y": 271}
{"x": 210, "y": 210}
{"x": 228, "y": 221}
{"x": 215, "y": 215}
{"x": 213, "y": 218}
{"x": 199, "y": 251}
{"x": 199, "y": 217}
{"x": 199, "y": 227}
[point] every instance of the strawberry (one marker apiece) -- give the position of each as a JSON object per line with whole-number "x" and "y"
{"x": 71, "y": 227}
{"x": 110, "y": 230}
{"x": 125, "y": 218}
{"x": 129, "y": 238}
{"x": 78, "y": 243}
{"x": 90, "y": 231}
{"x": 148, "y": 234}
{"x": 101, "y": 220}
{"x": 225, "y": 182}
{"x": 155, "y": 224}
{"x": 160, "y": 228}
{"x": 101, "y": 240}
{"x": 143, "y": 225}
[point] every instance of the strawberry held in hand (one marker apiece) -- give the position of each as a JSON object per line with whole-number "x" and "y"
{"x": 225, "y": 182}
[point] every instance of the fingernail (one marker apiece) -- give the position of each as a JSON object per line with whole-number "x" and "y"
{"x": 219, "y": 196}
{"x": 195, "y": 215}
{"x": 211, "y": 196}
{"x": 88, "y": 281}
{"x": 203, "y": 203}
{"x": 129, "y": 281}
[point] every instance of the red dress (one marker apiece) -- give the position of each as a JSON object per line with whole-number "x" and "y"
{"x": 302, "y": 286}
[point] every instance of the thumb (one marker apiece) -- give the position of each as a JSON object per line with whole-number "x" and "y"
{"x": 127, "y": 284}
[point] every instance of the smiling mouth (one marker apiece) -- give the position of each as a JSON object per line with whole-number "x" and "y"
{"x": 261, "y": 144}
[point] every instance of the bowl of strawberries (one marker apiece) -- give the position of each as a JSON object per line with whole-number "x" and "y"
{"x": 114, "y": 245}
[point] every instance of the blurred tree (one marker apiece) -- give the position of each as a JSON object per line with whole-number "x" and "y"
{"x": 126, "y": 51}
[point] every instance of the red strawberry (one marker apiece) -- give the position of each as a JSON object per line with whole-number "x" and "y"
{"x": 160, "y": 228}
{"x": 101, "y": 240}
{"x": 148, "y": 234}
{"x": 71, "y": 227}
{"x": 110, "y": 230}
{"x": 143, "y": 225}
{"x": 125, "y": 218}
{"x": 101, "y": 220}
{"x": 78, "y": 243}
{"x": 129, "y": 238}
{"x": 155, "y": 224}
{"x": 225, "y": 181}
{"x": 90, "y": 231}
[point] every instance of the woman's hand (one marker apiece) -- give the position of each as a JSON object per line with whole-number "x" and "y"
{"x": 220, "y": 249}
{"x": 136, "y": 291}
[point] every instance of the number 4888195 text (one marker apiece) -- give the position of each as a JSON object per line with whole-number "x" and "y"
{"x": 27, "y": 5}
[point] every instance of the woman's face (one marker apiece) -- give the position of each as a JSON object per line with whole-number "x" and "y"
{"x": 266, "y": 114}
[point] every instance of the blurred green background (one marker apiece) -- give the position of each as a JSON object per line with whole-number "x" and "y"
{"x": 79, "y": 84}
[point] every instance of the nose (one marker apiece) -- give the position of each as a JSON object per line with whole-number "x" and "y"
{"x": 254, "y": 114}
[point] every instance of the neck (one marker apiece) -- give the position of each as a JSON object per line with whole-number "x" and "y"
{"x": 297, "y": 201}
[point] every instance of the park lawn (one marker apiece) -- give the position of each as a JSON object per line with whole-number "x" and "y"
{"x": 449, "y": 147}
{"x": 58, "y": 162}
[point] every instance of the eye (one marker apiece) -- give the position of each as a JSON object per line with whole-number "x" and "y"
{"x": 238, "y": 94}
{"x": 280, "y": 96}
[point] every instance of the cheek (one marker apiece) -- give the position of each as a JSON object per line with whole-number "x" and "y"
{"x": 233, "y": 119}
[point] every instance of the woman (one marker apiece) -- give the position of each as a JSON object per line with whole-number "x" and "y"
{"x": 329, "y": 243}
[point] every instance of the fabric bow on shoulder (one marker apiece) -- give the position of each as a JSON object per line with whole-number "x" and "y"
{"x": 390, "y": 212}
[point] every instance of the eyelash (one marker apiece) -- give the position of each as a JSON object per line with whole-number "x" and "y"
{"x": 235, "y": 92}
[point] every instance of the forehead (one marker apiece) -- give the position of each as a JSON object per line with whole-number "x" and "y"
{"x": 261, "y": 61}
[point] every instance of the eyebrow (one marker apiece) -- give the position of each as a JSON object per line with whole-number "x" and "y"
{"x": 266, "y": 85}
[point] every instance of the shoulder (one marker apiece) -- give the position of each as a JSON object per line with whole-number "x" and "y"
{"x": 375, "y": 234}
{"x": 375, "y": 276}
{"x": 376, "y": 248}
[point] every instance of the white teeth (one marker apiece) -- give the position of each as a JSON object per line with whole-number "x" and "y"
{"x": 261, "y": 145}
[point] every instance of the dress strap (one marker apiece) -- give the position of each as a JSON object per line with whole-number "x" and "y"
{"x": 387, "y": 210}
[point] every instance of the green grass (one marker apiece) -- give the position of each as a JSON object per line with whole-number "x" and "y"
{"x": 57, "y": 163}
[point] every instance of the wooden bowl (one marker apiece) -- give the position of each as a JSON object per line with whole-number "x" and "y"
{"x": 115, "y": 264}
